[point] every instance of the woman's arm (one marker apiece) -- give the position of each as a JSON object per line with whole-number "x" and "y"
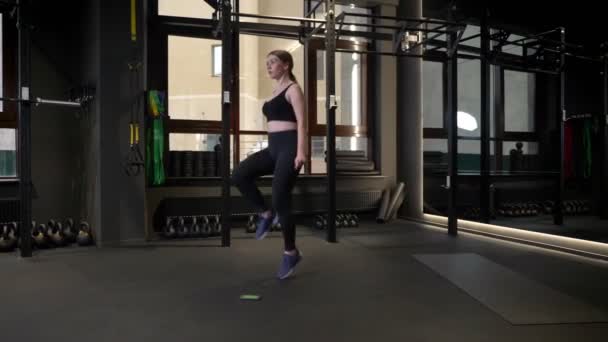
{"x": 296, "y": 98}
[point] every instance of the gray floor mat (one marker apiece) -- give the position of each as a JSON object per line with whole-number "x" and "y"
{"x": 516, "y": 298}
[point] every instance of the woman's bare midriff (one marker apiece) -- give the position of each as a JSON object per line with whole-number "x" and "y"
{"x": 279, "y": 126}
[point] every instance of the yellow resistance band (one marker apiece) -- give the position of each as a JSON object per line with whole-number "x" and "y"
{"x": 133, "y": 21}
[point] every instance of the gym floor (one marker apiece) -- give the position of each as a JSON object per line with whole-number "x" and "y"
{"x": 368, "y": 287}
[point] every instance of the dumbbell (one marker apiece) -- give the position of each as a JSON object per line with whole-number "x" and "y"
{"x": 169, "y": 230}
{"x": 346, "y": 220}
{"x": 211, "y": 225}
{"x": 567, "y": 207}
{"x": 501, "y": 210}
{"x": 580, "y": 206}
{"x": 506, "y": 209}
{"x": 194, "y": 227}
{"x": 217, "y": 228}
{"x": 338, "y": 220}
{"x": 548, "y": 207}
{"x": 250, "y": 228}
{"x": 182, "y": 228}
{"x": 276, "y": 224}
{"x": 535, "y": 208}
{"x": 586, "y": 207}
{"x": 354, "y": 220}
{"x": 525, "y": 209}
{"x": 574, "y": 205}
{"x": 319, "y": 222}
{"x": 206, "y": 225}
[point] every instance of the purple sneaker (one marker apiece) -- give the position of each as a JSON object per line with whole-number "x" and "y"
{"x": 263, "y": 227}
{"x": 288, "y": 264}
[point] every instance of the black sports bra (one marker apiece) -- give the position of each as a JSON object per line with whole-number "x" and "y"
{"x": 278, "y": 109}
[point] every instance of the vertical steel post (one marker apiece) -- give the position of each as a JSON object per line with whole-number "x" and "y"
{"x": 558, "y": 215}
{"x": 452, "y": 122}
{"x": 484, "y": 200}
{"x": 603, "y": 158}
{"x": 227, "y": 94}
{"x": 25, "y": 129}
{"x": 330, "y": 106}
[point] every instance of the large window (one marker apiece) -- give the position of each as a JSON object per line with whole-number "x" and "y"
{"x": 351, "y": 97}
{"x": 194, "y": 67}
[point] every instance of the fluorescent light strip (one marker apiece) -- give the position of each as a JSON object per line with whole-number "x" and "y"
{"x": 565, "y": 244}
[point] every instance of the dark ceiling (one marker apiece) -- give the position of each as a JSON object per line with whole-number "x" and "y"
{"x": 583, "y": 19}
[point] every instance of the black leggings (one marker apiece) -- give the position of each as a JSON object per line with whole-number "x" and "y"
{"x": 277, "y": 159}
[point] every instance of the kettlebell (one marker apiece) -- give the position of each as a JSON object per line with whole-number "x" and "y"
{"x": 84, "y": 237}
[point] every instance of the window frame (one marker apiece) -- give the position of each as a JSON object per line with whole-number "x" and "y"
{"x": 499, "y": 113}
{"x": 314, "y": 127}
{"x": 158, "y": 76}
{"x": 515, "y": 135}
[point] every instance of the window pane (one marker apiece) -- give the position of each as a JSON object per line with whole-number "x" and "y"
{"x": 255, "y": 85}
{"x": 249, "y": 144}
{"x": 319, "y": 146}
{"x": 519, "y": 101}
{"x": 469, "y": 155}
{"x": 348, "y": 90}
{"x": 514, "y": 49}
{"x": 193, "y": 142}
{"x": 435, "y": 157}
{"x": 217, "y": 60}
{"x": 194, "y": 93}
{"x": 185, "y": 142}
{"x": 469, "y": 98}
{"x": 320, "y": 14}
{"x": 520, "y": 156}
{"x": 185, "y": 8}
{"x": 8, "y": 153}
{"x": 1, "y": 61}
{"x": 432, "y": 92}
{"x": 470, "y": 31}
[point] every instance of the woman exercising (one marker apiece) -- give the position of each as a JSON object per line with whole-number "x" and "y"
{"x": 283, "y": 157}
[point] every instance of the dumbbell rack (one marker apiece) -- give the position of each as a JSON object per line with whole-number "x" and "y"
{"x": 343, "y": 220}
{"x": 192, "y": 226}
{"x": 251, "y": 224}
{"x": 534, "y": 208}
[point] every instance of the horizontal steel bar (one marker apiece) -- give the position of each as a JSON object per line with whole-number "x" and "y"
{"x": 524, "y": 38}
{"x": 39, "y": 100}
{"x": 58, "y": 103}
{"x": 285, "y": 18}
{"x": 420, "y": 20}
{"x": 298, "y": 19}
